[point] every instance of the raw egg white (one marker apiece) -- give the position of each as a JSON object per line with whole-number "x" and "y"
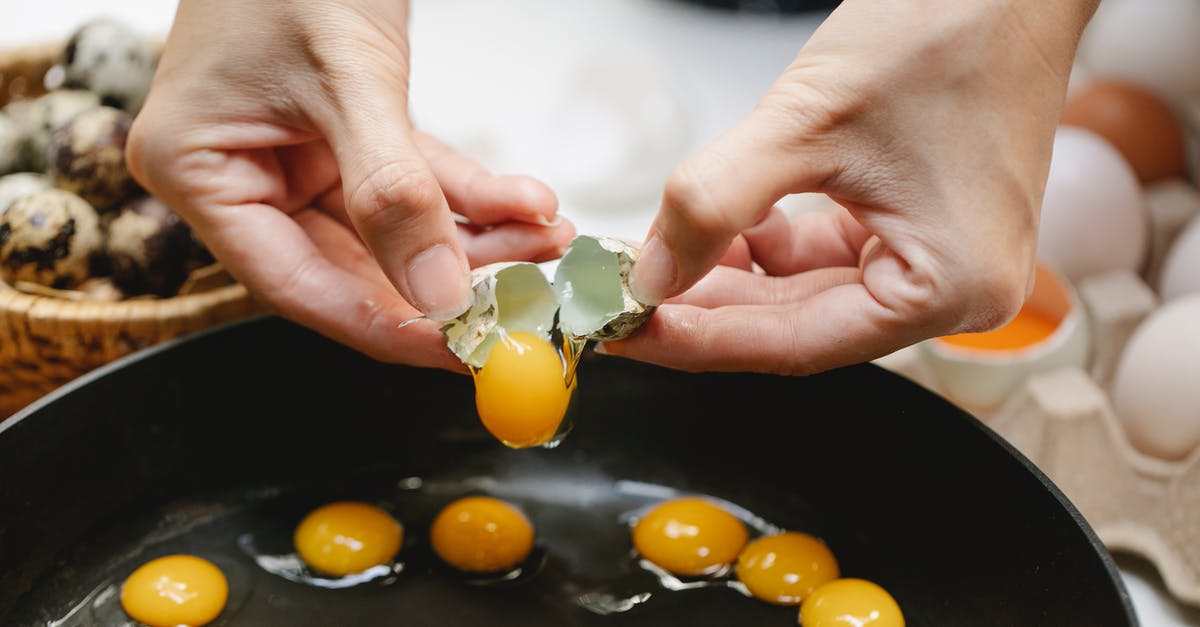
{"x": 1155, "y": 391}
{"x": 785, "y": 568}
{"x": 689, "y": 536}
{"x": 175, "y": 590}
{"x": 340, "y": 539}
{"x": 850, "y": 603}
{"x": 521, "y": 393}
{"x": 1093, "y": 212}
{"x": 480, "y": 534}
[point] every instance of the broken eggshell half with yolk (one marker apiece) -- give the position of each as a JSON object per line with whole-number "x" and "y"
{"x": 590, "y": 296}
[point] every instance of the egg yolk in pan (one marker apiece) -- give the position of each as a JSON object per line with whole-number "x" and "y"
{"x": 785, "y": 568}
{"x": 339, "y": 539}
{"x": 850, "y": 603}
{"x": 521, "y": 392}
{"x": 175, "y": 590}
{"x": 480, "y": 534}
{"x": 689, "y": 536}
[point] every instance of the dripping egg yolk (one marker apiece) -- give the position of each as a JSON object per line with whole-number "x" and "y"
{"x": 689, "y": 536}
{"x": 785, "y": 568}
{"x": 175, "y": 590}
{"x": 850, "y": 603}
{"x": 480, "y": 534}
{"x": 339, "y": 539}
{"x": 521, "y": 392}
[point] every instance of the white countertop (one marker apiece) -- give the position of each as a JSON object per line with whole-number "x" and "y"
{"x": 502, "y": 81}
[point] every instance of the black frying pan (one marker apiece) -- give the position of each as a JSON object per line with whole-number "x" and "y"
{"x": 192, "y": 445}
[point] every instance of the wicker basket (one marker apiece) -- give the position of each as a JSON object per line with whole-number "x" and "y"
{"x": 46, "y": 341}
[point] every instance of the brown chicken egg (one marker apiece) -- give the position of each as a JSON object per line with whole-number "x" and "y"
{"x": 1142, "y": 126}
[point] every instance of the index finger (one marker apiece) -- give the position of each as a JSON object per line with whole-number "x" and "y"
{"x": 837, "y": 327}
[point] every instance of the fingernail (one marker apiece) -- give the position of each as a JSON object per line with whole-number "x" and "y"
{"x": 437, "y": 283}
{"x": 654, "y": 273}
{"x": 544, "y": 221}
{"x": 608, "y": 348}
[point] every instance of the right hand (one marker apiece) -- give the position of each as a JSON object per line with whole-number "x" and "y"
{"x": 279, "y": 131}
{"x": 931, "y": 124}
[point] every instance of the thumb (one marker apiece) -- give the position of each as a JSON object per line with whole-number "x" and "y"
{"x": 393, "y": 199}
{"x": 720, "y": 191}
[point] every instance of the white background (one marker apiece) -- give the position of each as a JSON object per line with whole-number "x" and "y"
{"x": 596, "y": 98}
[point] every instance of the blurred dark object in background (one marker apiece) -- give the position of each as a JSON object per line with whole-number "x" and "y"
{"x": 769, "y": 6}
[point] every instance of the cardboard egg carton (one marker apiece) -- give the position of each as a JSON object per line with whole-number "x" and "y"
{"x": 1063, "y": 421}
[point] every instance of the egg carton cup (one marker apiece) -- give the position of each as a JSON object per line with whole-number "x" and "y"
{"x": 1063, "y": 420}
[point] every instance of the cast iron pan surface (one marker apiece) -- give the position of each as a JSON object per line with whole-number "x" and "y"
{"x": 226, "y": 439}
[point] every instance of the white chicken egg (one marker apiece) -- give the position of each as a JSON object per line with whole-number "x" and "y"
{"x": 1171, "y": 205}
{"x": 1154, "y": 43}
{"x": 1093, "y": 213}
{"x": 1154, "y": 391}
{"x": 1181, "y": 267}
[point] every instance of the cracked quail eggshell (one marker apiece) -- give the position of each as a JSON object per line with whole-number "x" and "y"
{"x": 592, "y": 285}
{"x": 509, "y": 296}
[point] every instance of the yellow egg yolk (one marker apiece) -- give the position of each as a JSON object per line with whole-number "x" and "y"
{"x": 339, "y": 539}
{"x": 689, "y": 536}
{"x": 1026, "y": 329}
{"x": 175, "y": 590}
{"x": 521, "y": 393}
{"x": 850, "y": 603}
{"x": 785, "y": 568}
{"x": 481, "y": 535}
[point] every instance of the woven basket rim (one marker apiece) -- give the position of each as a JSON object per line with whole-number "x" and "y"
{"x": 178, "y": 306}
{"x": 185, "y": 305}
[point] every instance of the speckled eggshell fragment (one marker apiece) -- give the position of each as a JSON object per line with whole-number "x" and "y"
{"x": 49, "y": 238}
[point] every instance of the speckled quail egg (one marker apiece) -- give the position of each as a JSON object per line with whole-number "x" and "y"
{"x": 87, "y": 156}
{"x": 12, "y": 145}
{"x": 111, "y": 59}
{"x": 150, "y": 249}
{"x": 19, "y": 184}
{"x": 49, "y": 237}
{"x": 39, "y": 117}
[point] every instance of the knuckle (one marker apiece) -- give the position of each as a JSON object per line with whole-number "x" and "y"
{"x": 688, "y": 197}
{"x": 284, "y": 297}
{"x": 997, "y": 297}
{"x": 391, "y": 194}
